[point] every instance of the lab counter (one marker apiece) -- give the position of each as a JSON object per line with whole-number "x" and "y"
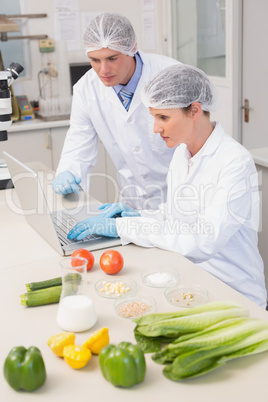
{"x": 36, "y": 124}
{"x": 26, "y": 257}
{"x": 36, "y": 139}
{"x": 260, "y": 157}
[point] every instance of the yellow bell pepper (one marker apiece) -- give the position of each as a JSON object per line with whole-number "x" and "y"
{"x": 97, "y": 340}
{"x": 59, "y": 341}
{"x": 76, "y": 356}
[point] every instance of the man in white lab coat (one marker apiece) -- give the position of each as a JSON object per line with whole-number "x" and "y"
{"x": 119, "y": 119}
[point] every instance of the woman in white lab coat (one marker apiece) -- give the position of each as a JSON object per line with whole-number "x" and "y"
{"x": 211, "y": 214}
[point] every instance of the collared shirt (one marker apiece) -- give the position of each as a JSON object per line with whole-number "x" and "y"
{"x": 133, "y": 82}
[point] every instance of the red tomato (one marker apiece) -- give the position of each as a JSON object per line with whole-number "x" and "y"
{"x": 111, "y": 262}
{"x": 83, "y": 253}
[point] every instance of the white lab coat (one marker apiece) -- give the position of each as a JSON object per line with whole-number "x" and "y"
{"x": 211, "y": 215}
{"x": 138, "y": 154}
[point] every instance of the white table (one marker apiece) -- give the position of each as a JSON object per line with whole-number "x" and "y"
{"x": 26, "y": 257}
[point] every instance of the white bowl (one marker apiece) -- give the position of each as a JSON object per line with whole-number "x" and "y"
{"x": 134, "y": 306}
{"x": 103, "y": 289}
{"x": 186, "y": 296}
{"x": 160, "y": 278}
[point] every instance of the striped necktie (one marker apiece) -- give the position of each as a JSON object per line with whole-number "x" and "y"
{"x": 126, "y": 97}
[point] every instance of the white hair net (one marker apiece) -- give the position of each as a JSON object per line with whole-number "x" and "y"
{"x": 110, "y": 30}
{"x": 178, "y": 86}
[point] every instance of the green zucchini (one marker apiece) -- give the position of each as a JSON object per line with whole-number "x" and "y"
{"x": 43, "y": 284}
{"x": 41, "y": 296}
{"x": 33, "y": 286}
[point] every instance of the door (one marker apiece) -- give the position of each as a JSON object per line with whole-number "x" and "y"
{"x": 255, "y": 74}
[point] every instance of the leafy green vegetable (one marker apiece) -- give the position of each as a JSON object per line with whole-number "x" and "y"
{"x": 148, "y": 345}
{"x": 151, "y": 344}
{"x": 154, "y": 329}
{"x": 177, "y": 326}
{"x": 213, "y": 306}
{"x": 198, "y": 362}
{"x": 221, "y": 324}
{"x": 223, "y": 335}
{"x": 200, "y": 339}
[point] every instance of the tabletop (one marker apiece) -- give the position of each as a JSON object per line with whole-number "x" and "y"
{"x": 26, "y": 257}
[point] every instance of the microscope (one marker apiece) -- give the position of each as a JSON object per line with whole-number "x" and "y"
{"x": 7, "y": 77}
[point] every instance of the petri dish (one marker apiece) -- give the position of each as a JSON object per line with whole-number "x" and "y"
{"x": 135, "y": 306}
{"x": 115, "y": 288}
{"x": 186, "y": 296}
{"x": 160, "y": 278}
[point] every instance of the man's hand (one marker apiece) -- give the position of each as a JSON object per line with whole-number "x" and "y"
{"x": 66, "y": 183}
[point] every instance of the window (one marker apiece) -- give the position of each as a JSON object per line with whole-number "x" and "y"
{"x": 199, "y": 34}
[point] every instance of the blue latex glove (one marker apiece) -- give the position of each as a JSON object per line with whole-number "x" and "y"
{"x": 116, "y": 210}
{"x": 66, "y": 183}
{"x": 94, "y": 225}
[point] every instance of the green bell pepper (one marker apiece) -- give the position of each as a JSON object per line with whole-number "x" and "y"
{"x": 124, "y": 365}
{"x": 25, "y": 368}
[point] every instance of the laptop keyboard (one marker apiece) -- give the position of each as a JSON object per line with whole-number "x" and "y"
{"x": 64, "y": 223}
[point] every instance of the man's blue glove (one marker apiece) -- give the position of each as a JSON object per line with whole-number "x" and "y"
{"x": 66, "y": 183}
{"x": 116, "y": 210}
{"x": 94, "y": 225}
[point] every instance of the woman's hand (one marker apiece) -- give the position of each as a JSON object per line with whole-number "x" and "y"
{"x": 117, "y": 210}
{"x": 93, "y": 225}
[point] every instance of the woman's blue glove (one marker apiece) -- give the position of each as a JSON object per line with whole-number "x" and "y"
{"x": 66, "y": 183}
{"x": 93, "y": 225}
{"x": 116, "y": 210}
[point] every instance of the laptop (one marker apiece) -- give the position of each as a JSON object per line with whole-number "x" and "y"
{"x": 39, "y": 204}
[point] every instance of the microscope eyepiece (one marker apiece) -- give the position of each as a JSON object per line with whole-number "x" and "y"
{"x": 15, "y": 69}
